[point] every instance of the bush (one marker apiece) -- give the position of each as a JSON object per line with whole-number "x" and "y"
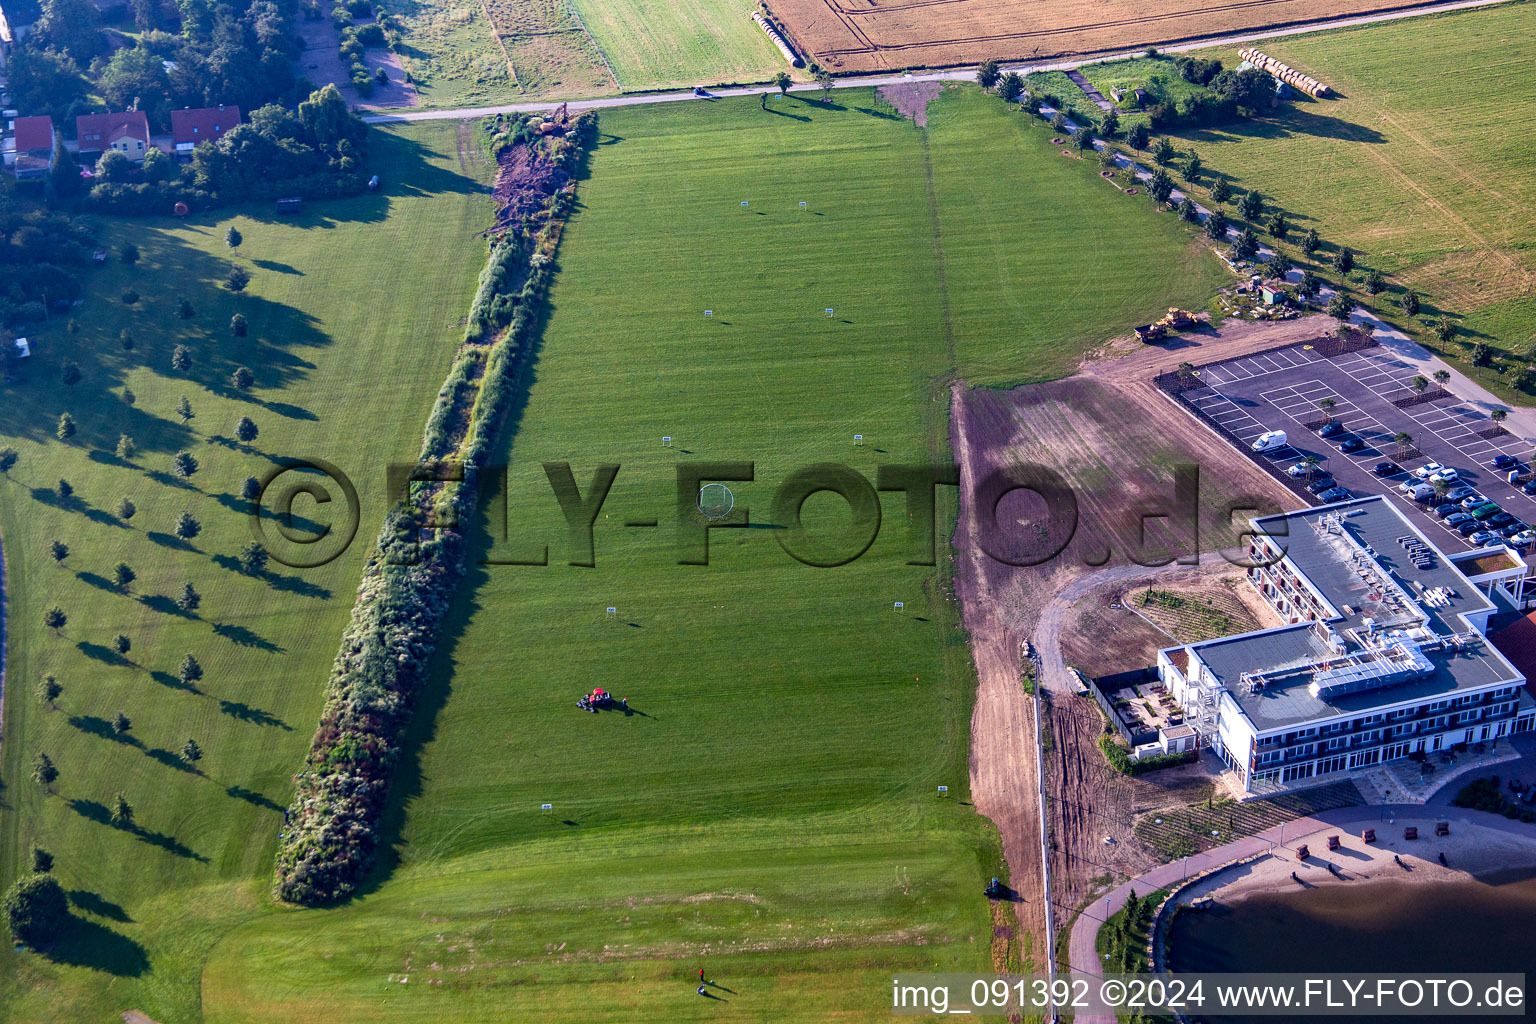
{"x": 36, "y": 909}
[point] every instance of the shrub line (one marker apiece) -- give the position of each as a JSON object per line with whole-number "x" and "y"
{"x": 411, "y": 576}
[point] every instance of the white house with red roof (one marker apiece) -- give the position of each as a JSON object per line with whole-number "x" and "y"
{"x": 190, "y": 127}
{"x": 126, "y": 131}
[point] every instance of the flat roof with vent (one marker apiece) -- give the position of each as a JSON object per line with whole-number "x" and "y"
{"x": 1405, "y": 626}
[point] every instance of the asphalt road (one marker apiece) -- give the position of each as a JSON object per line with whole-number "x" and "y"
{"x": 953, "y": 75}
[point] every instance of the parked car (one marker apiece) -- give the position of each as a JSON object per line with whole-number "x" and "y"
{"x": 1469, "y": 527}
{"x": 1428, "y": 469}
{"x": 1386, "y": 469}
{"x": 1529, "y": 487}
{"x": 1269, "y": 441}
{"x": 1523, "y": 539}
{"x": 1330, "y": 429}
{"x": 1500, "y": 518}
{"x": 1484, "y": 536}
{"x": 1299, "y": 469}
{"x": 1446, "y": 475}
{"x": 1447, "y": 510}
{"x": 1510, "y": 529}
{"x": 1504, "y": 461}
{"x": 1333, "y": 494}
{"x": 1472, "y": 500}
{"x": 1351, "y": 444}
{"x": 1483, "y": 513}
{"x": 1457, "y": 493}
{"x": 1320, "y": 485}
{"x": 1458, "y": 519}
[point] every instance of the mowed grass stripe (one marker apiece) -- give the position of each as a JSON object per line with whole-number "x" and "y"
{"x": 774, "y": 797}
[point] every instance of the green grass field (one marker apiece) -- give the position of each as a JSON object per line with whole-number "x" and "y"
{"x": 654, "y": 44}
{"x": 770, "y": 808}
{"x": 351, "y": 310}
{"x": 558, "y": 47}
{"x": 770, "y": 811}
{"x": 1422, "y": 165}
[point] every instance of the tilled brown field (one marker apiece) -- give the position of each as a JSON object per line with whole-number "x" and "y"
{"x": 876, "y": 35}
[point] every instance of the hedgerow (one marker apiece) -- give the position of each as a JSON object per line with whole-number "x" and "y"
{"x": 409, "y": 581}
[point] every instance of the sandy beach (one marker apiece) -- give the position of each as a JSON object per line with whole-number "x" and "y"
{"x": 1470, "y": 851}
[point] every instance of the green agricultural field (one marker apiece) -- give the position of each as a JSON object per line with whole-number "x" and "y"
{"x": 352, "y": 308}
{"x": 769, "y": 810}
{"x": 654, "y": 44}
{"x": 567, "y": 48}
{"x": 1422, "y": 165}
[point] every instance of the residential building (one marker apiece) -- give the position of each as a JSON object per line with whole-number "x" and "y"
{"x": 126, "y": 131}
{"x": 34, "y": 147}
{"x": 190, "y": 127}
{"x": 1383, "y": 654}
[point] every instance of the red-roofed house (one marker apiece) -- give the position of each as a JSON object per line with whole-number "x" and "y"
{"x": 34, "y": 147}
{"x": 190, "y": 127}
{"x": 126, "y": 131}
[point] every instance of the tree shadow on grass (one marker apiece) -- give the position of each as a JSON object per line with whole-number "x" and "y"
{"x": 173, "y": 682}
{"x": 164, "y": 605}
{"x": 99, "y": 582}
{"x": 246, "y": 638}
{"x": 167, "y": 540}
{"x": 84, "y": 943}
{"x": 97, "y": 812}
{"x": 172, "y": 760}
{"x": 105, "y": 655}
{"x": 277, "y": 581}
{"x": 256, "y": 716}
{"x": 91, "y": 903}
{"x": 103, "y": 728}
{"x": 250, "y": 796}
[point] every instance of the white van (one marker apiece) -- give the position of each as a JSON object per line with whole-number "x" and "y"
{"x": 1270, "y": 440}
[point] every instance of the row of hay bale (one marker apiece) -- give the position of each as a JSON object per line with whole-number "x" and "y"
{"x": 778, "y": 40}
{"x": 1287, "y": 74}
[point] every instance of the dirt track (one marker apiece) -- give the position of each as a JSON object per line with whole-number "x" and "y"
{"x": 1082, "y": 427}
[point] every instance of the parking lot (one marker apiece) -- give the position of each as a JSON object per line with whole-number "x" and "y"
{"x": 1281, "y": 390}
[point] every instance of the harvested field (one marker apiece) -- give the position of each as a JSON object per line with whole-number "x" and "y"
{"x": 549, "y": 48}
{"x": 876, "y": 35}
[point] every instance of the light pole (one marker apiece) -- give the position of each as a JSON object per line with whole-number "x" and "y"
{"x": 1186, "y": 867}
